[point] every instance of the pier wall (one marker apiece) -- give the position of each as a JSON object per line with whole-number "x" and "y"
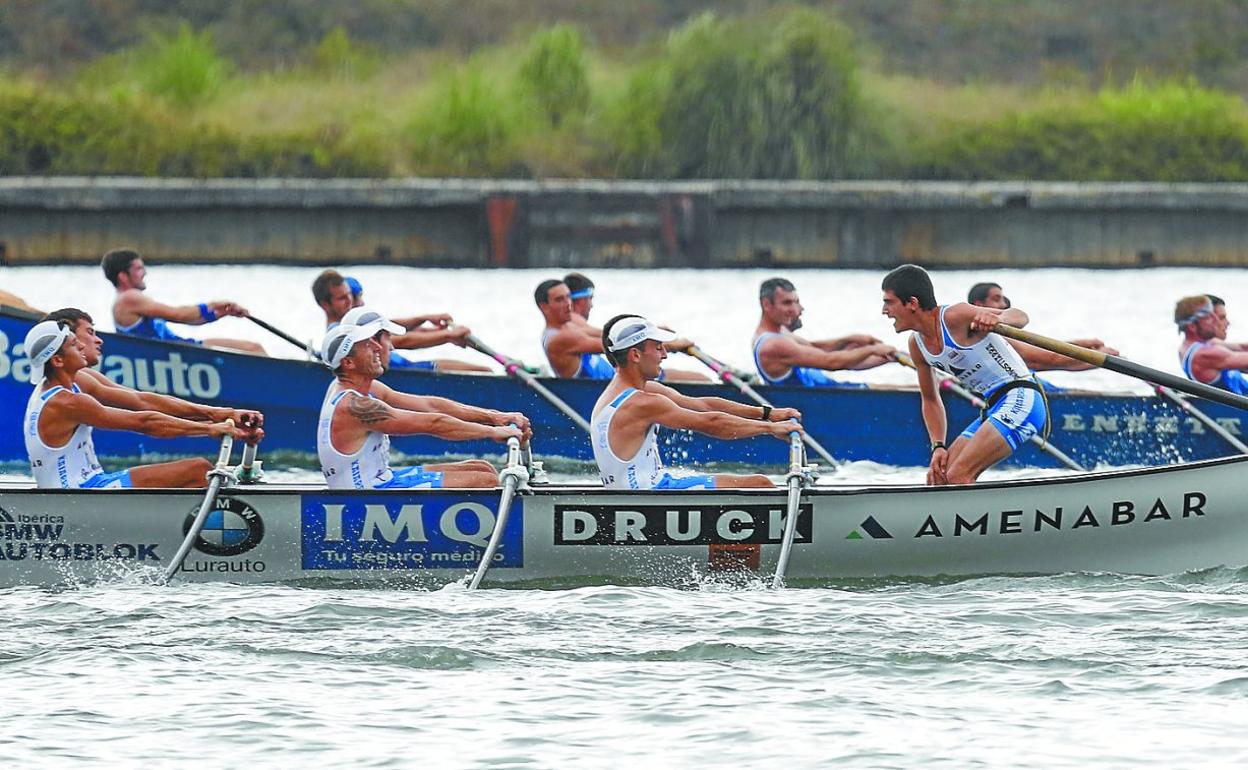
{"x": 575, "y": 223}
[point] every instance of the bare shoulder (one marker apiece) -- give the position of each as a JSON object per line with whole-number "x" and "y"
{"x": 369, "y": 411}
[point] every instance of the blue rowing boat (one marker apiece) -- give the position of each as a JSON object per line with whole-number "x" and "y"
{"x": 883, "y": 426}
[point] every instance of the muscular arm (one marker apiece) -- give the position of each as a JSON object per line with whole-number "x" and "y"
{"x": 1211, "y": 359}
{"x": 110, "y": 393}
{"x": 933, "y": 408}
{"x": 80, "y": 408}
{"x": 377, "y": 415}
{"x": 1041, "y": 360}
{"x": 135, "y": 303}
{"x": 575, "y": 339}
{"x": 786, "y": 352}
{"x": 707, "y": 403}
{"x": 960, "y": 317}
{"x": 428, "y": 338}
{"x": 413, "y": 403}
{"x": 650, "y": 408}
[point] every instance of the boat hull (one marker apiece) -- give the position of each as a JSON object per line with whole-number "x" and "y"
{"x": 1145, "y": 521}
{"x": 884, "y": 426}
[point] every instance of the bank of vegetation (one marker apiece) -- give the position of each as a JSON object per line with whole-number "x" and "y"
{"x": 790, "y": 92}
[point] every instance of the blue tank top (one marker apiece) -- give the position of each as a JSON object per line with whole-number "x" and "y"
{"x": 1227, "y": 379}
{"x": 153, "y": 329}
{"x": 803, "y": 376}
{"x": 591, "y": 366}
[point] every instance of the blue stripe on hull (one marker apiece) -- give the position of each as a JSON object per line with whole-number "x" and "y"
{"x": 882, "y": 426}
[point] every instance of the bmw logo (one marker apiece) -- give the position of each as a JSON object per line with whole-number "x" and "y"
{"x": 232, "y": 528}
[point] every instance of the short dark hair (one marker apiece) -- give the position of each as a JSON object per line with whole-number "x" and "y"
{"x": 68, "y": 317}
{"x": 980, "y": 291}
{"x": 324, "y": 283}
{"x": 911, "y": 281}
{"x": 116, "y": 262}
{"x": 541, "y": 295}
{"x": 767, "y": 290}
{"x": 1216, "y": 300}
{"x": 577, "y": 282}
{"x": 616, "y": 357}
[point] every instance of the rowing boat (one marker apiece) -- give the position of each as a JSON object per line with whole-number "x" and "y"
{"x": 1139, "y": 521}
{"x": 855, "y": 424}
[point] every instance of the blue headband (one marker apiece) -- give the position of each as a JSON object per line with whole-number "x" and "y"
{"x": 582, "y": 293}
{"x": 1196, "y": 316}
{"x": 353, "y": 285}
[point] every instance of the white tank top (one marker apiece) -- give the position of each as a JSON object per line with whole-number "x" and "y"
{"x": 982, "y": 367}
{"x": 643, "y": 470}
{"x": 66, "y": 467}
{"x": 364, "y": 469}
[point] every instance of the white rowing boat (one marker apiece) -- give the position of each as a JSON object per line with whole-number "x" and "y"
{"x": 1147, "y": 521}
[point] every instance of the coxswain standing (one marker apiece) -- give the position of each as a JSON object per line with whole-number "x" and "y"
{"x": 958, "y": 339}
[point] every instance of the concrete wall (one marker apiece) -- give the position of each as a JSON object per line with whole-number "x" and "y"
{"x": 480, "y": 223}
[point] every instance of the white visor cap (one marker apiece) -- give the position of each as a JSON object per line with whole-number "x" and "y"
{"x": 340, "y": 339}
{"x": 43, "y": 341}
{"x": 634, "y": 330}
{"x": 363, "y": 316}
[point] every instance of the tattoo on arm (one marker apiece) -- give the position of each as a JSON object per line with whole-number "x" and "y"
{"x": 369, "y": 411}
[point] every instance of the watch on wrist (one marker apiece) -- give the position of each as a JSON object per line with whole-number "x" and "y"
{"x": 938, "y": 445}
{"x": 766, "y": 414}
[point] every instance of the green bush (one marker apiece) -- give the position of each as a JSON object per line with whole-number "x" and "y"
{"x": 468, "y": 127}
{"x": 554, "y": 74}
{"x": 1169, "y": 132}
{"x": 184, "y": 69}
{"x": 337, "y": 55}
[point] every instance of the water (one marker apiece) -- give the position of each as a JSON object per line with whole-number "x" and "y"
{"x": 1070, "y": 670}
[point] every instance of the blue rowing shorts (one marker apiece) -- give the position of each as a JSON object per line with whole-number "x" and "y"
{"x": 1018, "y": 416}
{"x": 685, "y": 482}
{"x": 415, "y": 477}
{"x": 115, "y": 480}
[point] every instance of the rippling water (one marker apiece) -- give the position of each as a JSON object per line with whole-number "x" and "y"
{"x": 1061, "y": 671}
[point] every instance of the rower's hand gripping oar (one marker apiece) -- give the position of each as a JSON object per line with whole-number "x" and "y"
{"x": 949, "y": 382}
{"x": 306, "y": 347}
{"x": 514, "y": 476}
{"x": 798, "y": 477}
{"x": 1123, "y": 366}
{"x": 218, "y": 475}
{"x": 517, "y": 369}
{"x": 726, "y": 374}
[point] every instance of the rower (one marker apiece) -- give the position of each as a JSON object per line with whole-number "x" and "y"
{"x": 359, "y": 415}
{"x": 574, "y": 348}
{"x": 137, "y": 314}
{"x": 337, "y": 294}
{"x": 958, "y": 339}
{"x": 628, "y": 414}
{"x": 60, "y": 418}
{"x": 1204, "y": 357}
{"x": 783, "y": 358}
{"x": 581, "y": 292}
{"x": 1224, "y": 323}
{"x": 989, "y": 294}
{"x": 94, "y": 383}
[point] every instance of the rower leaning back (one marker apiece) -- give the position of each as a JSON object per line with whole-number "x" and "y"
{"x": 958, "y": 339}
{"x": 59, "y": 420}
{"x": 625, "y": 421}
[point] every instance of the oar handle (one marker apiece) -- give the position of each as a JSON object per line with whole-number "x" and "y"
{"x": 227, "y": 448}
{"x": 1068, "y": 349}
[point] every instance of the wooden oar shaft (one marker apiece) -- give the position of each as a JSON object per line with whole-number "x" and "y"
{"x": 727, "y": 375}
{"x": 1123, "y": 366}
{"x": 516, "y": 369}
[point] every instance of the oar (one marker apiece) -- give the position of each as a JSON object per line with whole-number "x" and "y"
{"x": 726, "y": 374}
{"x": 1209, "y": 422}
{"x": 796, "y": 480}
{"x": 515, "y": 475}
{"x": 219, "y": 473}
{"x": 950, "y": 383}
{"x": 268, "y": 327}
{"x": 516, "y": 369}
{"x": 1123, "y": 366}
